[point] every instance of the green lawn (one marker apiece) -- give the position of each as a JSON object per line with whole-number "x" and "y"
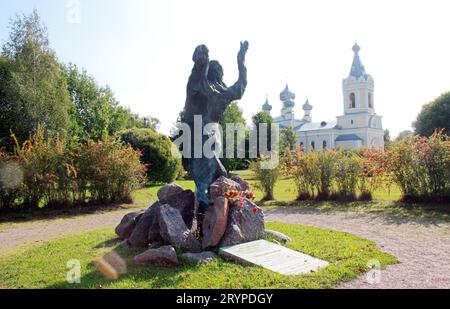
{"x": 385, "y": 201}
{"x": 285, "y": 189}
{"x": 44, "y": 266}
{"x": 285, "y": 195}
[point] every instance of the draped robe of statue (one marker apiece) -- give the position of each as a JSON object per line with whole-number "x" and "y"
{"x": 208, "y": 97}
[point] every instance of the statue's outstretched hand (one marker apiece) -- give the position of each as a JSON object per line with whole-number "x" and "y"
{"x": 242, "y": 52}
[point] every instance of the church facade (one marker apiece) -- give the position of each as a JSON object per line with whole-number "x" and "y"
{"x": 359, "y": 126}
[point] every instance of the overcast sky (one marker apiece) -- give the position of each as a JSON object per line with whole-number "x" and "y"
{"x": 143, "y": 49}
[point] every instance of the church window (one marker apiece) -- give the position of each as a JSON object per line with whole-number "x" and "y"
{"x": 313, "y": 145}
{"x": 370, "y": 100}
{"x": 324, "y": 144}
{"x": 352, "y": 122}
{"x": 352, "y": 100}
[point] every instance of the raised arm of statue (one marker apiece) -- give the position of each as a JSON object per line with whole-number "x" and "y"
{"x": 236, "y": 91}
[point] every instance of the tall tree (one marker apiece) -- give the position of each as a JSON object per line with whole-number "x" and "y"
{"x": 288, "y": 140}
{"x": 404, "y": 134}
{"x": 387, "y": 138}
{"x": 36, "y": 87}
{"x": 266, "y": 118}
{"x": 9, "y": 112}
{"x": 434, "y": 116}
{"x": 233, "y": 115}
{"x": 97, "y": 112}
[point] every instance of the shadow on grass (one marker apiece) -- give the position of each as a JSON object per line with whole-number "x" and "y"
{"x": 157, "y": 276}
{"x": 161, "y": 277}
{"x": 44, "y": 266}
{"x": 109, "y": 243}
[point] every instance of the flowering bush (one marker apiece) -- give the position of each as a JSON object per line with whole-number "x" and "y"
{"x": 48, "y": 177}
{"x": 108, "y": 171}
{"x": 52, "y": 173}
{"x": 333, "y": 174}
{"x": 326, "y": 165}
{"x": 374, "y": 165}
{"x": 304, "y": 168}
{"x": 347, "y": 168}
{"x": 420, "y": 167}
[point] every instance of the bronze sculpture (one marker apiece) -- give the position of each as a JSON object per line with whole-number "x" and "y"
{"x": 208, "y": 97}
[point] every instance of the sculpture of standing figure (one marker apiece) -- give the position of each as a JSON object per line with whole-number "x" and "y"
{"x": 208, "y": 97}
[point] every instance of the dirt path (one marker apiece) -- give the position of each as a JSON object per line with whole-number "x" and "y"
{"x": 423, "y": 247}
{"x": 16, "y": 235}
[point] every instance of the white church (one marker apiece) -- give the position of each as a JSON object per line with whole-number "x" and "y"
{"x": 358, "y": 127}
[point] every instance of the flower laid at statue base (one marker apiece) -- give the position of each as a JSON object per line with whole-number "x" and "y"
{"x": 236, "y": 198}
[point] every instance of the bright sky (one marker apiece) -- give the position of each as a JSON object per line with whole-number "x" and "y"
{"x": 143, "y": 49}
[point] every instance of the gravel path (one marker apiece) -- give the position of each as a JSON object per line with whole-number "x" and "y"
{"x": 16, "y": 235}
{"x": 423, "y": 247}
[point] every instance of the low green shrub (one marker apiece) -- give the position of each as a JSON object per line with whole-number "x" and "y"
{"x": 156, "y": 152}
{"x": 10, "y": 179}
{"x": 347, "y": 168}
{"x": 326, "y": 167}
{"x": 267, "y": 178}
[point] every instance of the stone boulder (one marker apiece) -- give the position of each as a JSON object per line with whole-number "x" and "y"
{"x": 244, "y": 224}
{"x": 162, "y": 256}
{"x": 147, "y": 229}
{"x": 215, "y": 223}
{"x": 221, "y": 186}
{"x": 243, "y": 183}
{"x": 183, "y": 202}
{"x": 148, "y": 224}
{"x": 279, "y": 236}
{"x": 128, "y": 223}
{"x": 205, "y": 257}
{"x": 174, "y": 231}
{"x": 169, "y": 190}
{"x": 156, "y": 245}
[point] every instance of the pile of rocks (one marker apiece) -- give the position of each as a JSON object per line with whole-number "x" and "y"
{"x": 169, "y": 224}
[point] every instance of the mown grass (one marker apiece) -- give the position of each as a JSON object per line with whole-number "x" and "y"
{"x": 385, "y": 201}
{"x": 285, "y": 189}
{"x": 45, "y": 266}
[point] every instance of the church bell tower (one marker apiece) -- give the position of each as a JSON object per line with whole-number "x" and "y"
{"x": 358, "y": 88}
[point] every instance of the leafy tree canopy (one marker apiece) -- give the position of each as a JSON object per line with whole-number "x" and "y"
{"x": 387, "y": 137}
{"x": 233, "y": 115}
{"x": 288, "y": 139}
{"x": 434, "y": 115}
{"x": 34, "y": 92}
{"x": 404, "y": 134}
{"x": 259, "y": 118}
